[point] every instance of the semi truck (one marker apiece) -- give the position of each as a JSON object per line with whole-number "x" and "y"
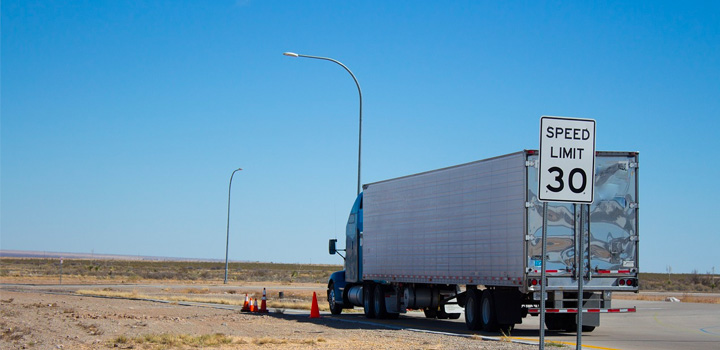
{"x": 469, "y": 236}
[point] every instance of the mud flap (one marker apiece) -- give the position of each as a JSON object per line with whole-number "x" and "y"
{"x": 590, "y": 319}
{"x": 508, "y": 306}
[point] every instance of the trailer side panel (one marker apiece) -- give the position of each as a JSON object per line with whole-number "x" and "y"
{"x": 457, "y": 225}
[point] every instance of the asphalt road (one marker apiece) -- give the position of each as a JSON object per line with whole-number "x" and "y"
{"x": 655, "y": 325}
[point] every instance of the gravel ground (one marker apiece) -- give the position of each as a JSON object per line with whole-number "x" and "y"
{"x": 35, "y": 320}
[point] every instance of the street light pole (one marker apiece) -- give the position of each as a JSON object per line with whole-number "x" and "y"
{"x": 227, "y": 239}
{"x": 292, "y": 54}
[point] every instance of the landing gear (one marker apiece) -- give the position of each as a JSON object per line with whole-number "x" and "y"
{"x": 440, "y": 313}
{"x": 430, "y": 312}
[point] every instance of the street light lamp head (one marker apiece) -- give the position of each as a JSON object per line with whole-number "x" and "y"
{"x": 291, "y": 54}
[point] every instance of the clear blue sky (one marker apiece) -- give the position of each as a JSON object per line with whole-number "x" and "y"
{"x": 122, "y": 121}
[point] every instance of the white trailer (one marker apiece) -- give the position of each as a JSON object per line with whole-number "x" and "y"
{"x": 471, "y": 234}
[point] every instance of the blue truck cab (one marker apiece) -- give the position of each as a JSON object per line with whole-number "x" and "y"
{"x": 341, "y": 283}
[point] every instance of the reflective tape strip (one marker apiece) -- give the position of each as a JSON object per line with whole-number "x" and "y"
{"x": 549, "y": 271}
{"x": 574, "y": 311}
{"x": 613, "y": 271}
{"x": 509, "y": 279}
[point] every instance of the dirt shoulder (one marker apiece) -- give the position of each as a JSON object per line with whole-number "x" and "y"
{"x": 36, "y": 320}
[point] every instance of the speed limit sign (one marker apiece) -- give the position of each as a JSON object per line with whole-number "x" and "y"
{"x": 567, "y": 160}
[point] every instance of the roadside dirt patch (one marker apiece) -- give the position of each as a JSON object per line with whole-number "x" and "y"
{"x": 35, "y": 320}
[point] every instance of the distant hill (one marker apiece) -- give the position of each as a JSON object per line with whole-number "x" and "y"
{"x": 57, "y": 255}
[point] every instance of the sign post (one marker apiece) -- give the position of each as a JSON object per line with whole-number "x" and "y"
{"x": 581, "y": 272}
{"x": 543, "y": 275}
{"x": 566, "y": 174}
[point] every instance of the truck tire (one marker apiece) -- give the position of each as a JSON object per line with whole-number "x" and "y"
{"x": 472, "y": 310}
{"x": 379, "y": 302}
{"x": 368, "y": 300}
{"x": 588, "y": 329}
{"x": 335, "y": 307}
{"x": 554, "y": 322}
{"x": 488, "y": 317}
{"x": 570, "y": 325}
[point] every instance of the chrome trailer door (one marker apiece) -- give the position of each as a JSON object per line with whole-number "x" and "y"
{"x": 613, "y": 238}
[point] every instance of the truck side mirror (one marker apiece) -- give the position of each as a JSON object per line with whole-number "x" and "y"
{"x": 331, "y": 248}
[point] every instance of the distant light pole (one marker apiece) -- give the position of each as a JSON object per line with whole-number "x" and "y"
{"x": 292, "y": 54}
{"x": 227, "y": 240}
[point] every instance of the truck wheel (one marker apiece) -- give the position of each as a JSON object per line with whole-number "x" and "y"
{"x": 488, "y": 317}
{"x": 472, "y": 310}
{"x": 570, "y": 325}
{"x": 368, "y": 300}
{"x": 335, "y": 307}
{"x": 379, "y": 302}
{"x": 554, "y": 322}
{"x": 562, "y": 322}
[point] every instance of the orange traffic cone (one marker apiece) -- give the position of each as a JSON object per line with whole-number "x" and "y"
{"x": 252, "y": 308}
{"x": 246, "y": 305}
{"x": 263, "y": 304}
{"x": 314, "y": 310}
{"x": 255, "y": 307}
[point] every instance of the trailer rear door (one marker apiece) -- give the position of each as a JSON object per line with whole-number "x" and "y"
{"x": 613, "y": 245}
